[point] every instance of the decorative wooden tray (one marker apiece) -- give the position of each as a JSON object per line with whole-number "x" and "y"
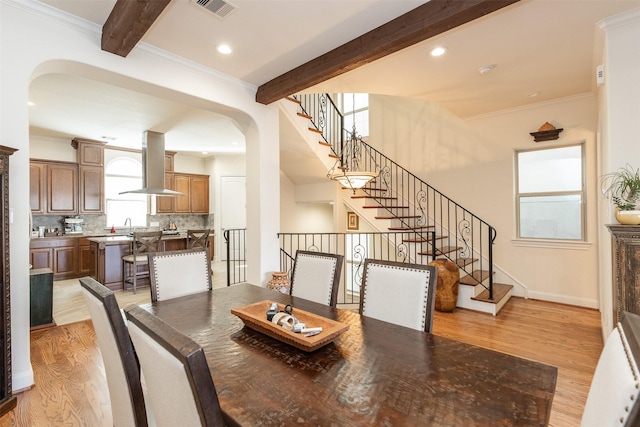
{"x": 254, "y": 316}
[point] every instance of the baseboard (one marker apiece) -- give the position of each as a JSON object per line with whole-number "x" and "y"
{"x": 21, "y": 381}
{"x": 563, "y": 299}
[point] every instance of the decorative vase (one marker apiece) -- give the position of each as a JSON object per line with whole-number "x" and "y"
{"x": 280, "y": 282}
{"x": 628, "y": 217}
{"x": 448, "y": 284}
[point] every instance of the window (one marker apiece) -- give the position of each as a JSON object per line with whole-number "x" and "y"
{"x": 123, "y": 174}
{"x": 355, "y": 106}
{"x": 551, "y": 193}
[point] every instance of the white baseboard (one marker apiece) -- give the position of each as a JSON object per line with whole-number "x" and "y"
{"x": 22, "y": 380}
{"x": 564, "y": 299}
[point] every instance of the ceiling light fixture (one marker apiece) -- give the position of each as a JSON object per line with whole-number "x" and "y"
{"x": 486, "y": 69}
{"x": 533, "y": 94}
{"x": 350, "y": 175}
{"x": 224, "y": 49}
{"x": 438, "y": 51}
{"x": 30, "y": 104}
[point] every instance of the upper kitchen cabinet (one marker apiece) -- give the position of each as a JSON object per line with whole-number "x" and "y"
{"x": 53, "y": 187}
{"x": 196, "y": 190}
{"x": 90, "y": 156}
{"x": 166, "y": 204}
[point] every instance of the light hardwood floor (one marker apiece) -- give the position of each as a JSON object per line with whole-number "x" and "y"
{"x": 71, "y": 388}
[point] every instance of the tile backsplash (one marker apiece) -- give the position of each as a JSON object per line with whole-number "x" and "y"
{"x": 96, "y": 224}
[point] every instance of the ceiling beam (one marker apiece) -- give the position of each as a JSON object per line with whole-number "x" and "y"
{"x": 128, "y": 22}
{"x": 422, "y": 23}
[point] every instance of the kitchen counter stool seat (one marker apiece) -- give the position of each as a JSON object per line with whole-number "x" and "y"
{"x": 143, "y": 243}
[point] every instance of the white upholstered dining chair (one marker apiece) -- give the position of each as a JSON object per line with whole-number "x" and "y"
{"x": 615, "y": 388}
{"x": 316, "y": 276}
{"x": 180, "y": 388}
{"x": 179, "y": 273}
{"x": 399, "y": 293}
{"x": 120, "y": 364}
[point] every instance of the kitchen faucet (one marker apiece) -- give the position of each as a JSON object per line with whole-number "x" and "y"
{"x": 125, "y": 224}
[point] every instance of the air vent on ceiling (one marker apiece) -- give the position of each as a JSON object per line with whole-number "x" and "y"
{"x": 220, "y": 8}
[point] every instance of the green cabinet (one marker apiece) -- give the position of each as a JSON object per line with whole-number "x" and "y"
{"x": 41, "y": 293}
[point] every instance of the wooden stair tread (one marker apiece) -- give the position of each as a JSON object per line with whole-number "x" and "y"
{"x": 303, "y": 115}
{"x": 289, "y": 98}
{"x": 465, "y": 261}
{"x": 374, "y": 197}
{"x": 333, "y": 156}
{"x": 422, "y": 239}
{"x": 315, "y": 130}
{"x": 326, "y": 144}
{"x": 398, "y": 217}
{"x": 441, "y": 251}
{"x": 385, "y": 207}
{"x": 499, "y": 292}
{"x": 424, "y": 227}
{"x": 474, "y": 278}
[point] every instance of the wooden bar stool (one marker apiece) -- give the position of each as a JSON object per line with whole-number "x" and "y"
{"x": 144, "y": 242}
{"x": 200, "y": 239}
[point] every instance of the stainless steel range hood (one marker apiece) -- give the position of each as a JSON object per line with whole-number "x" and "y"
{"x": 153, "y": 166}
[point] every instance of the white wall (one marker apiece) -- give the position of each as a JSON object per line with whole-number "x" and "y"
{"x": 314, "y": 214}
{"x": 36, "y": 40}
{"x": 472, "y": 162}
{"x": 46, "y": 148}
{"x": 619, "y": 110}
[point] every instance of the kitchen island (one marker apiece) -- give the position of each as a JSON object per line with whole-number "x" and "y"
{"x": 109, "y": 250}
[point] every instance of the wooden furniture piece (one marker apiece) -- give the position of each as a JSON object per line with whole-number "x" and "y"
{"x": 7, "y": 399}
{"x": 316, "y": 276}
{"x": 41, "y": 298}
{"x": 180, "y": 389}
{"x": 201, "y": 239}
{"x": 90, "y": 155}
{"x": 144, "y": 242}
{"x": 53, "y": 187}
{"x": 626, "y": 269}
{"x": 196, "y": 190}
{"x": 178, "y": 273}
{"x": 120, "y": 363}
{"x": 615, "y": 388}
{"x": 417, "y": 378}
{"x": 447, "y": 285}
{"x": 399, "y": 293}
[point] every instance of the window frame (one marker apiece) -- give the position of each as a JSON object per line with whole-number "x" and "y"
{"x": 107, "y": 175}
{"x": 582, "y": 193}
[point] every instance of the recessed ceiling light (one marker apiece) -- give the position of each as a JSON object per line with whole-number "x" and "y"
{"x": 225, "y": 49}
{"x": 533, "y": 94}
{"x": 108, "y": 138}
{"x": 205, "y": 152}
{"x": 234, "y": 143}
{"x": 486, "y": 69}
{"x": 438, "y": 51}
{"x": 30, "y": 104}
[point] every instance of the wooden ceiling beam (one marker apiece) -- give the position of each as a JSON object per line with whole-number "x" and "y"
{"x": 128, "y": 22}
{"x": 422, "y": 23}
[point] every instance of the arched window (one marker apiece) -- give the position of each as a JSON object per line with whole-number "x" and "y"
{"x": 123, "y": 174}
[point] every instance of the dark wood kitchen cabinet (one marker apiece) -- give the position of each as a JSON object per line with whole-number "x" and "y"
{"x": 626, "y": 269}
{"x": 53, "y": 187}
{"x": 90, "y": 155}
{"x": 86, "y": 260}
{"x": 59, "y": 254}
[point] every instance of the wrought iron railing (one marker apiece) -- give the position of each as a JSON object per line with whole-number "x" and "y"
{"x": 355, "y": 247}
{"x": 236, "y": 243}
{"x": 462, "y": 236}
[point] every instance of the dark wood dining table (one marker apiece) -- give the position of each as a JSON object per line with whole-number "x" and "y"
{"x": 374, "y": 374}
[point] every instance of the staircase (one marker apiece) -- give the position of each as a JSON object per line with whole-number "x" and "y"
{"x": 397, "y": 200}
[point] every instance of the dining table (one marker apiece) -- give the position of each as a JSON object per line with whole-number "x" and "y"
{"x": 373, "y": 374}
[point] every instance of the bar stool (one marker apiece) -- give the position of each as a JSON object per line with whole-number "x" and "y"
{"x": 200, "y": 239}
{"x": 143, "y": 243}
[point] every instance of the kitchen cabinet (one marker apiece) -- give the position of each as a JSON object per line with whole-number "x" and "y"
{"x": 60, "y": 254}
{"x": 196, "y": 190}
{"x": 90, "y": 155}
{"x": 86, "y": 262}
{"x": 166, "y": 204}
{"x": 53, "y": 187}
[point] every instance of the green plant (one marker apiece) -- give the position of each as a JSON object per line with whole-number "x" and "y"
{"x": 622, "y": 187}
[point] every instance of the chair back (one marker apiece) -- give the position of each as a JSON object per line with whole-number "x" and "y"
{"x": 316, "y": 276}
{"x": 145, "y": 242}
{"x": 399, "y": 293}
{"x": 120, "y": 364}
{"x": 198, "y": 238}
{"x": 178, "y": 273}
{"x": 615, "y": 388}
{"x": 180, "y": 388}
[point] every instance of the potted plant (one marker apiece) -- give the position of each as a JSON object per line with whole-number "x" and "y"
{"x": 622, "y": 187}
